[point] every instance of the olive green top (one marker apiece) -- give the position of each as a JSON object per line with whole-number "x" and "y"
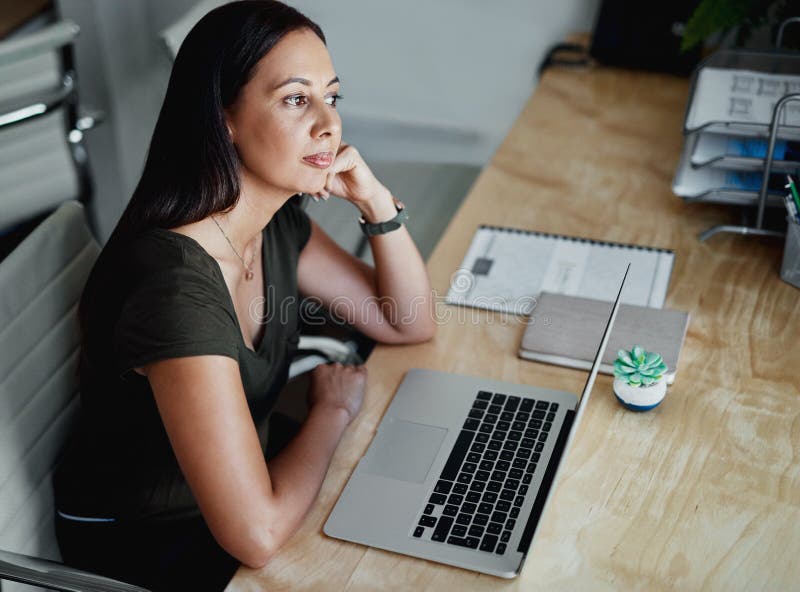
{"x": 165, "y": 297}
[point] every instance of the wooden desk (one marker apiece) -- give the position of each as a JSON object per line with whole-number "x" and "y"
{"x": 701, "y": 493}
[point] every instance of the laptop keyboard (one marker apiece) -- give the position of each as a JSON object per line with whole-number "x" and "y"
{"x": 477, "y": 499}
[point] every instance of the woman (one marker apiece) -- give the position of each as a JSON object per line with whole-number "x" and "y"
{"x": 166, "y": 484}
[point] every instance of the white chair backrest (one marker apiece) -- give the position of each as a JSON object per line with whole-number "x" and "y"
{"x": 41, "y": 282}
{"x": 37, "y": 166}
{"x": 29, "y": 63}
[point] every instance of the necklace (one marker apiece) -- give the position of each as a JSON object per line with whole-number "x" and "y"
{"x": 249, "y": 268}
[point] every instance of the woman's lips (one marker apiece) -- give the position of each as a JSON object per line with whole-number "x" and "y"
{"x": 321, "y": 160}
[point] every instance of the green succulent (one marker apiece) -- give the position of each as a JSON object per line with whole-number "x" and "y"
{"x": 639, "y": 367}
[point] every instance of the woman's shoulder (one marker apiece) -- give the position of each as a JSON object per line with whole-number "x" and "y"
{"x": 157, "y": 250}
{"x": 166, "y": 273}
{"x": 156, "y": 261}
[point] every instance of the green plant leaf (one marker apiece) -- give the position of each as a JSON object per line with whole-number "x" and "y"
{"x": 638, "y": 353}
{"x": 712, "y": 16}
{"x": 652, "y": 359}
{"x": 648, "y": 380}
{"x": 625, "y": 357}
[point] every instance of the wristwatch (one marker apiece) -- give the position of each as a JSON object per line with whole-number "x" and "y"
{"x": 370, "y": 229}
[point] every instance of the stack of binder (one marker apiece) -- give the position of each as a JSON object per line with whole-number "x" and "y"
{"x": 727, "y": 124}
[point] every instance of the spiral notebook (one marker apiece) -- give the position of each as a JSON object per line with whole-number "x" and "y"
{"x": 505, "y": 269}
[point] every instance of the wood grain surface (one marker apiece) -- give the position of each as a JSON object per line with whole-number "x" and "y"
{"x": 701, "y": 493}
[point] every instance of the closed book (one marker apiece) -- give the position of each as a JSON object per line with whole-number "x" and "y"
{"x": 566, "y": 330}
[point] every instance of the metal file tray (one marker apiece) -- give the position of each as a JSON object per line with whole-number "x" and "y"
{"x": 746, "y": 94}
{"x": 708, "y": 185}
{"x": 734, "y": 92}
{"x": 723, "y": 151}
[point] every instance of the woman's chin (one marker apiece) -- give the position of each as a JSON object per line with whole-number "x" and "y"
{"x": 311, "y": 185}
{"x": 313, "y": 188}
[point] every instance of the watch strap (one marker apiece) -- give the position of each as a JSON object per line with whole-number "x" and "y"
{"x": 374, "y": 229}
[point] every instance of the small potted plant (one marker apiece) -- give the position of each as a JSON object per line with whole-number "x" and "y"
{"x": 639, "y": 382}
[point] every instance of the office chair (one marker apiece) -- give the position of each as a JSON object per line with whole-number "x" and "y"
{"x": 43, "y": 164}
{"x": 40, "y": 284}
{"x": 42, "y": 155}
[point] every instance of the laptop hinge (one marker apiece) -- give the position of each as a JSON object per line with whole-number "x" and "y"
{"x": 547, "y": 482}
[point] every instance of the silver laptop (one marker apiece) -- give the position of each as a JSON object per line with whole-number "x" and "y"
{"x": 461, "y": 468}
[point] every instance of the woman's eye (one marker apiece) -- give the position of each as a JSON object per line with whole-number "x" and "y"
{"x": 298, "y": 100}
{"x": 292, "y": 100}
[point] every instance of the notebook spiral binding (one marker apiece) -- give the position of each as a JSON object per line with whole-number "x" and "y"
{"x": 589, "y": 241}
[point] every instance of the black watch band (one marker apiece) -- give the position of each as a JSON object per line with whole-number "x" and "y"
{"x": 370, "y": 229}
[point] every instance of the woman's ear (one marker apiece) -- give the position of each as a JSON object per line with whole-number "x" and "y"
{"x": 229, "y": 127}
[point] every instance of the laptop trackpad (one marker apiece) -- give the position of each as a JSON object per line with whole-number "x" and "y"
{"x": 404, "y": 450}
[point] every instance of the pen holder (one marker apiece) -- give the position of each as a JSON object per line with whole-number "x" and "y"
{"x": 790, "y": 268}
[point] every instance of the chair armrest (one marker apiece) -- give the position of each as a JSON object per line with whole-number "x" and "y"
{"x": 57, "y": 576}
{"x": 314, "y": 350}
{"x": 302, "y": 364}
{"x": 27, "y": 107}
{"x": 334, "y": 349}
{"x": 49, "y": 38}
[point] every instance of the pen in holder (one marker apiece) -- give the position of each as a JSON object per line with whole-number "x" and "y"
{"x": 790, "y": 268}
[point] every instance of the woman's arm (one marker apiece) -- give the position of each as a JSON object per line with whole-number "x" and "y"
{"x": 391, "y": 303}
{"x": 401, "y": 278}
{"x": 251, "y": 511}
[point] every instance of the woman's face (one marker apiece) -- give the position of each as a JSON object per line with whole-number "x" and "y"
{"x": 287, "y": 114}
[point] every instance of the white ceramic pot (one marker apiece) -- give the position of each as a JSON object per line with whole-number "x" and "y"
{"x": 639, "y": 398}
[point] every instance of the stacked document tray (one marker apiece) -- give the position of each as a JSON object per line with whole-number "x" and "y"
{"x": 731, "y": 102}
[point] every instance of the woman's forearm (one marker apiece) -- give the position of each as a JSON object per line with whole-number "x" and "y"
{"x": 297, "y": 472}
{"x": 401, "y": 278}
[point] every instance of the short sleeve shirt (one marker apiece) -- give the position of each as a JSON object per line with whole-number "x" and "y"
{"x": 163, "y": 296}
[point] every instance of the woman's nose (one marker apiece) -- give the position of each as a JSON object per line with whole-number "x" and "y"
{"x": 327, "y": 121}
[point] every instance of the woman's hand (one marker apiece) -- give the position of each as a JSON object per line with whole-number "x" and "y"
{"x": 350, "y": 178}
{"x": 338, "y": 386}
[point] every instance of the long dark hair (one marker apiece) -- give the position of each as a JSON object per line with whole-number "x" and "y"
{"x": 192, "y": 168}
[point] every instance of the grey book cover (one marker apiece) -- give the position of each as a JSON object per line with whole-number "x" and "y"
{"x": 566, "y": 330}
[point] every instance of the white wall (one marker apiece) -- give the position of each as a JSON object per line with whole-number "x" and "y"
{"x": 438, "y": 81}
{"x": 453, "y": 73}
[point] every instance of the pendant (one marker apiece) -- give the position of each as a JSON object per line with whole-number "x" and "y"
{"x": 248, "y": 275}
